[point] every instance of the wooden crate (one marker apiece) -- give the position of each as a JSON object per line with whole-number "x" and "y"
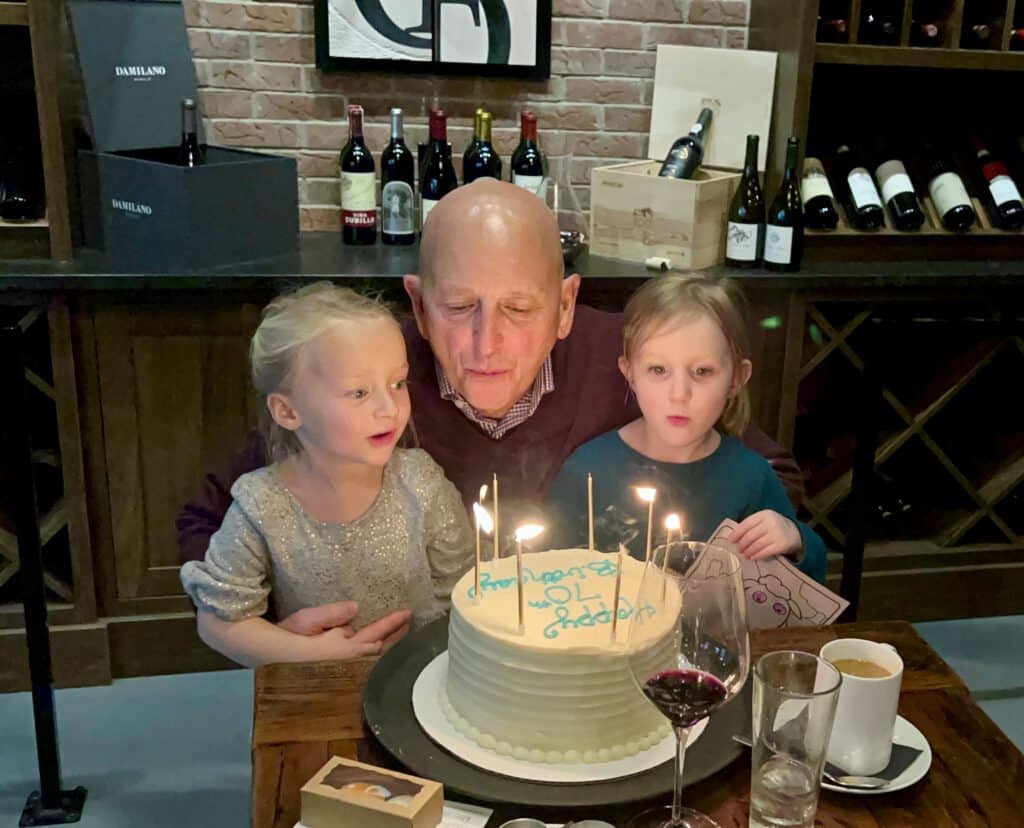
{"x": 635, "y": 214}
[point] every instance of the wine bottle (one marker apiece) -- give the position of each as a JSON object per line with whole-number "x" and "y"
{"x": 687, "y": 152}
{"x": 925, "y": 34}
{"x": 832, "y": 30}
{"x": 881, "y": 24}
{"x": 947, "y": 190}
{"x": 1006, "y": 198}
{"x": 483, "y": 161}
{"x": 744, "y": 244}
{"x": 397, "y": 198}
{"x": 860, "y": 197}
{"x": 819, "y": 202}
{"x": 518, "y": 151}
{"x": 528, "y": 168}
{"x": 898, "y": 191}
{"x": 784, "y": 233}
{"x": 358, "y": 183}
{"x": 474, "y": 142}
{"x": 978, "y": 36}
{"x": 438, "y": 173}
{"x": 190, "y": 154}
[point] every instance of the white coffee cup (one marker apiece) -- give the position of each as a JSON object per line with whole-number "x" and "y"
{"x": 861, "y": 741}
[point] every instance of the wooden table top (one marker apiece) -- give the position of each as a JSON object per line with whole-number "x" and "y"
{"x": 305, "y": 713}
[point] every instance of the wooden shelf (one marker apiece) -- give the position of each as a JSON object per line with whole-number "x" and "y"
{"x": 13, "y": 14}
{"x": 14, "y": 226}
{"x": 909, "y": 56}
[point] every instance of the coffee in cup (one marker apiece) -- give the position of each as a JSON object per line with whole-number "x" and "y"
{"x": 861, "y": 740}
{"x": 860, "y": 668}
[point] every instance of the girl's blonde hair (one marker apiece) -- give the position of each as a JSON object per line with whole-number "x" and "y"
{"x": 290, "y": 322}
{"x": 667, "y": 298}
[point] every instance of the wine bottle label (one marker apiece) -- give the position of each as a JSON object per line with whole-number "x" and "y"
{"x": 813, "y": 186}
{"x": 948, "y": 191}
{"x": 778, "y": 244}
{"x": 358, "y": 201}
{"x": 862, "y": 188}
{"x": 1003, "y": 189}
{"x": 396, "y": 208}
{"x": 527, "y": 182}
{"x": 741, "y": 241}
{"x": 426, "y": 205}
{"x": 892, "y": 175}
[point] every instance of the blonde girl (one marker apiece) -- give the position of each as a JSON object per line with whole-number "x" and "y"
{"x": 340, "y": 516}
{"x": 686, "y": 357}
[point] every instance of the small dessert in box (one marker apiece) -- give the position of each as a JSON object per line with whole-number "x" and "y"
{"x": 344, "y": 793}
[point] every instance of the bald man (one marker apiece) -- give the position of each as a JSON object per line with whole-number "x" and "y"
{"x": 507, "y": 375}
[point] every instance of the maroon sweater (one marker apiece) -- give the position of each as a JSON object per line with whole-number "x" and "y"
{"x": 590, "y": 398}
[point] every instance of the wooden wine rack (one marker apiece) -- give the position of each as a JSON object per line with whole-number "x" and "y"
{"x": 812, "y": 73}
{"x": 42, "y": 23}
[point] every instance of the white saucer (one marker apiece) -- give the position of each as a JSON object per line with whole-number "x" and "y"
{"x": 904, "y": 733}
{"x": 426, "y": 704}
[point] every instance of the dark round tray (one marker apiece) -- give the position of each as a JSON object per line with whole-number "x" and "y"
{"x": 387, "y": 705}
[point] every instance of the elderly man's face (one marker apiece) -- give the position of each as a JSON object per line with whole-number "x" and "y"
{"x": 492, "y": 311}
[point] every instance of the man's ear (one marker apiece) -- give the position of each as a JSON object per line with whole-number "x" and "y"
{"x": 567, "y": 304}
{"x": 626, "y": 370}
{"x": 280, "y": 408}
{"x": 414, "y": 289}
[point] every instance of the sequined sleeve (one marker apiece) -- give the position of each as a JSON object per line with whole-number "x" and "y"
{"x": 232, "y": 581}
{"x": 449, "y": 537}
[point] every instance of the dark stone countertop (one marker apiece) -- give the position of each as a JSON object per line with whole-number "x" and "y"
{"x": 322, "y": 255}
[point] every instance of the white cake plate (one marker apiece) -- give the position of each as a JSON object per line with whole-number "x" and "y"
{"x": 426, "y": 704}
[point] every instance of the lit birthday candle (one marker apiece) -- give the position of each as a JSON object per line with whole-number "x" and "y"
{"x": 526, "y": 532}
{"x": 648, "y": 495}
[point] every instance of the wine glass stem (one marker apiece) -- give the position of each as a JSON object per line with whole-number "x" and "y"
{"x": 682, "y": 734}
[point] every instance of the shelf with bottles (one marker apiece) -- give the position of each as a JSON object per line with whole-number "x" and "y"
{"x": 931, "y": 483}
{"x": 968, "y": 34}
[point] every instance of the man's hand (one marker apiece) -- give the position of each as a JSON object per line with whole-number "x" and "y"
{"x": 316, "y": 620}
{"x": 766, "y": 533}
{"x": 341, "y": 642}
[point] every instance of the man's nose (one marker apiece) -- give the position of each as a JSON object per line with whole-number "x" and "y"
{"x": 487, "y": 335}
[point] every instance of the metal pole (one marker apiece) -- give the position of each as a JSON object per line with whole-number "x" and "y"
{"x": 49, "y": 805}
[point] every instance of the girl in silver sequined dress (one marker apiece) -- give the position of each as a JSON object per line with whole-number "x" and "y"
{"x": 340, "y": 514}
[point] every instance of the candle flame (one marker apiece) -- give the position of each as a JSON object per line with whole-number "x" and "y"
{"x": 483, "y": 518}
{"x": 528, "y": 531}
{"x": 673, "y": 523}
{"x": 646, "y": 494}
{"x": 483, "y": 493}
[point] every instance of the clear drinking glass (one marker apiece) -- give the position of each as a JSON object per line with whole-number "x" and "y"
{"x": 795, "y": 696}
{"x": 700, "y": 586}
{"x": 558, "y": 193}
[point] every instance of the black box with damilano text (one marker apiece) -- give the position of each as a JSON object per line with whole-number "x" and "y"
{"x": 138, "y": 203}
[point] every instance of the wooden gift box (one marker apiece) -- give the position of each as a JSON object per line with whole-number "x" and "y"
{"x": 347, "y": 794}
{"x": 635, "y": 214}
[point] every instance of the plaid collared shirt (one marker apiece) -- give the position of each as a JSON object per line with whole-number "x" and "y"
{"x": 517, "y": 414}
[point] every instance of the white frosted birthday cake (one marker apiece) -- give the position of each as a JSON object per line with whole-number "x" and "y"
{"x": 560, "y": 690}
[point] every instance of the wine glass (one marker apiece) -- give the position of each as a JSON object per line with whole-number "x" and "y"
{"x": 558, "y": 193}
{"x": 696, "y": 591}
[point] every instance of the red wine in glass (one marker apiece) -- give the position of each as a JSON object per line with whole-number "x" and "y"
{"x": 685, "y": 696}
{"x": 698, "y": 588}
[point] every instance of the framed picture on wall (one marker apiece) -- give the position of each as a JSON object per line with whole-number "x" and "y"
{"x": 485, "y": 37}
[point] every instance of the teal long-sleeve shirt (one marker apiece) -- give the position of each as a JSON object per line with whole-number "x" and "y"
{"x": 731, "y": 482}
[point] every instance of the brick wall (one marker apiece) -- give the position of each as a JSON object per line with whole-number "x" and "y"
{"x": 260, "y": 88}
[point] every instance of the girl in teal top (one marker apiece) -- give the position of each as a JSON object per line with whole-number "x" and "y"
{"x": 686, "y": 357}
